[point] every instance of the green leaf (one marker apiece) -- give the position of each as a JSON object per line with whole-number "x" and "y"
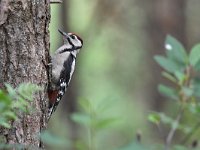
{"x": 85, "y": 105}
{"x": 180, "y": 76}
{"x": 154, "y": 118}
{"x": 197, "y": 66}
{"x": 188, "y": 91}
{"x": 194, "y": 56}
{"x": 26, "y": 90}
{"x": 81, "y": 118}
{"x": 15, "y": 100}
{"x": 53, "y": 140}
{"x": 167, "y": 64}
{"x": 175, "y": 50}
{"x": 196, "y": 86}
{"x": 170, "y": 121}
{"x": 10, "y": 90}
{"x": 4, "y": 122}
{"x": 194, "y": 108}
{"x": 2, "y": 106}
{"x": 168, "y": 91}
{"x": 4, "y": 98}
{"x": 105, "y": 105}
{"x": 175, "y": 125}
{"x": 21, "y": 104}
{"x": 166, "y": 119}
{"x": 169, "y": 76}
{"x": 10, "y": 115}
{"x": 104, "y": 123}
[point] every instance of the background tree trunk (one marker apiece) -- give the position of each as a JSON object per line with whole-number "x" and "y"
{"x": 163, "y": 17}
{"x": 24, "y": 45}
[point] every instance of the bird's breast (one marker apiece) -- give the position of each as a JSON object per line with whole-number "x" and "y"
{"x": 57, "y": 62}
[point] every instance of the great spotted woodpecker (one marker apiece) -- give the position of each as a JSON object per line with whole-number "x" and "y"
{"x": 62, "y": 68}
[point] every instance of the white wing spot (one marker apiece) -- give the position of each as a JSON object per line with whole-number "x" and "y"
{"x": 63, "y": 84}
{"x": 61, "y": 92}
{"x": 58, "y": 99}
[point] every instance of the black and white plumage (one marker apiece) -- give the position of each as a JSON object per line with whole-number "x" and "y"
{"x": 63, "y": 65}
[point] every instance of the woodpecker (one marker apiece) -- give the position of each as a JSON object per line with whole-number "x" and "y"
{"x": 62, "y": 68}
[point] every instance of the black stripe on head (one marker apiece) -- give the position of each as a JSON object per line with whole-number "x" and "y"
{"x": 80, "y": 40}
{"x": 78, "y": 37}
{"x": 70, "y": 42}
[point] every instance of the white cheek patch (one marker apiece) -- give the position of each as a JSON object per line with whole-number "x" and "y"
{"x": 76, "y": 42}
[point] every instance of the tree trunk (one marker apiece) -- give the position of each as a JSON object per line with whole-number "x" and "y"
{"x": 24, "y": 46}
{"x": 163, "y": 17}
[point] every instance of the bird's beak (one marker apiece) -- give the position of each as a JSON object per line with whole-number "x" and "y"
{"x": 63, "y": 33}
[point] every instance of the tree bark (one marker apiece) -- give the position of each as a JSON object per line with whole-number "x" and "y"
{"x": 24, "y": 46}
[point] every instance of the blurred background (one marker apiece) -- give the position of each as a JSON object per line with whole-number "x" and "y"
{"x": 115, "y": 69}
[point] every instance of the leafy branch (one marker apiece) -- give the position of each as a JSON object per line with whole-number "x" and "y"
{"x": 91, "y": 116}
{"x": 15, "y": 100}
{"x": 182, "y": 70}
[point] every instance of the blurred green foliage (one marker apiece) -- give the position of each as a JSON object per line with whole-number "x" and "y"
{"x": 182, "y": 70}
{"x": 103, "y": 70}
{"x": 53, "y": 141}
{"x": 113, "y": 66}
{"x": 94, "y": 118}
{"x": 14, "y": 101}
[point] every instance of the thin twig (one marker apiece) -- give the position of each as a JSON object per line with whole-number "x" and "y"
{"x": 173, "y": 129}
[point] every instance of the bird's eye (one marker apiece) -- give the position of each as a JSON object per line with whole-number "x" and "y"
{"x": 73, "y": 36}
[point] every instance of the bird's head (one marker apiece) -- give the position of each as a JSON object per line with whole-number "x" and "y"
{"x": 72, "y": 40}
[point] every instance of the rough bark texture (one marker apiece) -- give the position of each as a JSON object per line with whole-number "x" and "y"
{"x": 24, "y": 45}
